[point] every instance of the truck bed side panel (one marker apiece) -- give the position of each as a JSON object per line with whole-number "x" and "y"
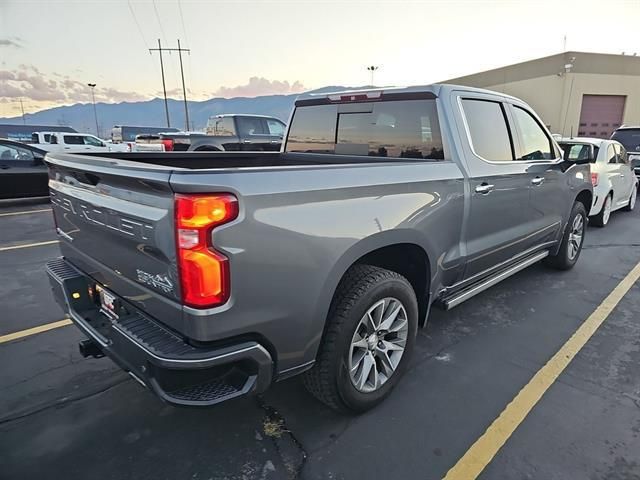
{"x": 301, "y": 228}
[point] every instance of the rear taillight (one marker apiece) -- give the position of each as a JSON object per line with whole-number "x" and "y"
{"x": 594, "y": 179}
{"x": 168, "y": 145}
{"x": 204, "y": 272}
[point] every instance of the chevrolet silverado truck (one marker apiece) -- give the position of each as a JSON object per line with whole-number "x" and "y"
{"x": 208, "y": 276}
{"x": 227, "y": 133}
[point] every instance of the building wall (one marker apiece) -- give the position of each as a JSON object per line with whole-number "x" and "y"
{"x": 558, "y": 99}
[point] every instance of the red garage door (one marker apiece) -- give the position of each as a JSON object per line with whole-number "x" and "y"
{"x": 600, "y": 115}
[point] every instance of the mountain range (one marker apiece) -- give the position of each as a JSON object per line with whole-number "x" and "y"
{"x": 152, "y": 112}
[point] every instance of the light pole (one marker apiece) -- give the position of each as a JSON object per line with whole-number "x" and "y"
{"x": 95, "y": 112}
{"x": 372, "y": 69}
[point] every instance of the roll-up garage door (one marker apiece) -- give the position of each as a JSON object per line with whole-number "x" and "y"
{"x": 600, "y": 115}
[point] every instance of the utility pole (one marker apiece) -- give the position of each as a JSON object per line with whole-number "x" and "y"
{"x": 372, "y": 69}
{"x": 184, "y": 88}
{"x": 164, "y": 86}
{"x": 95, "y": 112}
{"x": 24, "y": 120}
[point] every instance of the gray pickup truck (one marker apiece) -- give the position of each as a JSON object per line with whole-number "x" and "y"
{"x": 229, "y": 133}
{"x": 208, "y": 276}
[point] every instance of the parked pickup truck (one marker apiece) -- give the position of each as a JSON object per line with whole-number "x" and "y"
{"x": 74, "y": 142}
{"x": 209, "y": 276}
{"x": 224, "y": 133}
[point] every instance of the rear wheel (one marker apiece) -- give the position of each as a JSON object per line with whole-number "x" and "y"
{"x": 572, "y": 240}
{"x": 371, "y": 330}
{"x": 632, "y": 200}
{"x": 602, "y": 218}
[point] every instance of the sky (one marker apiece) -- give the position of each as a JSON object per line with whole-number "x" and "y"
{"x": 50, "y": 50}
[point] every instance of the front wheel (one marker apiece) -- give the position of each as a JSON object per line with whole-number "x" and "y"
{"x": 572, "y": 240}
{"x": 370, "y": 334}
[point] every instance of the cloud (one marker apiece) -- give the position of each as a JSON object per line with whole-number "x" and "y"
{"x": 29, "y": 83}
{"x": 10, "y": 42}
{"x": 260, "y": 86}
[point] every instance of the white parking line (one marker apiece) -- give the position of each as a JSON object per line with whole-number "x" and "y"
{"x": 38, "y": 244}
{"x": 24, "y": 212}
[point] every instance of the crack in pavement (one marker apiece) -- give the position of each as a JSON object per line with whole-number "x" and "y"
{"x": 275, "y": 427}
{"x": 62, "y": 402}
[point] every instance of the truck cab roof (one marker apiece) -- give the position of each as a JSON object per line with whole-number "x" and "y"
{"x": 436, "y": 89}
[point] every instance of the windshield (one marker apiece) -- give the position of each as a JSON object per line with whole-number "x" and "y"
{"x": 629, "y": 137}
{"x": 578, "y": 151}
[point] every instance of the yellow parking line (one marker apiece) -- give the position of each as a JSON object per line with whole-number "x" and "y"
{"x": 32, "y": 331}
{"x": 38, "y": 244}
{"x": 487, "y": 446}
{"x": 25, "y": 212}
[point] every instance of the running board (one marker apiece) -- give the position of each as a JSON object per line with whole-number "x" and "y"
{"x": 448, "y": 302}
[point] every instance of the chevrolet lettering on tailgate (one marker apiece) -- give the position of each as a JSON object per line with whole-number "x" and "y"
{"x": 102, "y": 217}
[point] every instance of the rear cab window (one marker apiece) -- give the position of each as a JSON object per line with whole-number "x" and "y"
{"x": 578, "y": 151}
{"x": 388, "y": 128}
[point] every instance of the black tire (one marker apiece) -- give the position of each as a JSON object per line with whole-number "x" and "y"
{"x": 632, "y": 200}
{"x": 329, "y": 380}
{"x": 563, "y": 260}
{"x": 599, "y": 220}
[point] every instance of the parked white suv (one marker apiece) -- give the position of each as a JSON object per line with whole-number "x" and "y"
{"x": 74, "y": 142}
{"x": 613, "y": 179}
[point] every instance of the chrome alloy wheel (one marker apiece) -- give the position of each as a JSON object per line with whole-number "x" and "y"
{"x": 607, "y": 210}
{"x": 378, "y": 344}
{"x": 575, "y": 236}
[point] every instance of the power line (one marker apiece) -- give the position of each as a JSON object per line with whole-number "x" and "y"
{"x": 155, "y": 9}
{"x": 137, "y": 24}
{"x": 189, "y": 66}
{"x": 184, "y": 30}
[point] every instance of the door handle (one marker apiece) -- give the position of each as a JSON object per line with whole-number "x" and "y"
{"x": 247, "y": 141}
{"x": 538, "y": 181}
{"x": 484, "y": 188}
{"x": 276, "y": 141}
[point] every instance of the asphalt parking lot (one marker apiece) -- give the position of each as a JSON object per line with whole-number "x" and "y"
{"x": 62, "y": 416}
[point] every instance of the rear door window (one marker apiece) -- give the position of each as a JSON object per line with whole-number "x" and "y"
{"x": 248, "y": 126}
{"x": 534, "y": 142}
{"x": 621, "y": 153}
{"x": 74, "y": 139}
{"x": 488, "y": 129}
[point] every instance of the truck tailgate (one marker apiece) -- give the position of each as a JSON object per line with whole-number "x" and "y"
{"x": 115, "y": 223}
